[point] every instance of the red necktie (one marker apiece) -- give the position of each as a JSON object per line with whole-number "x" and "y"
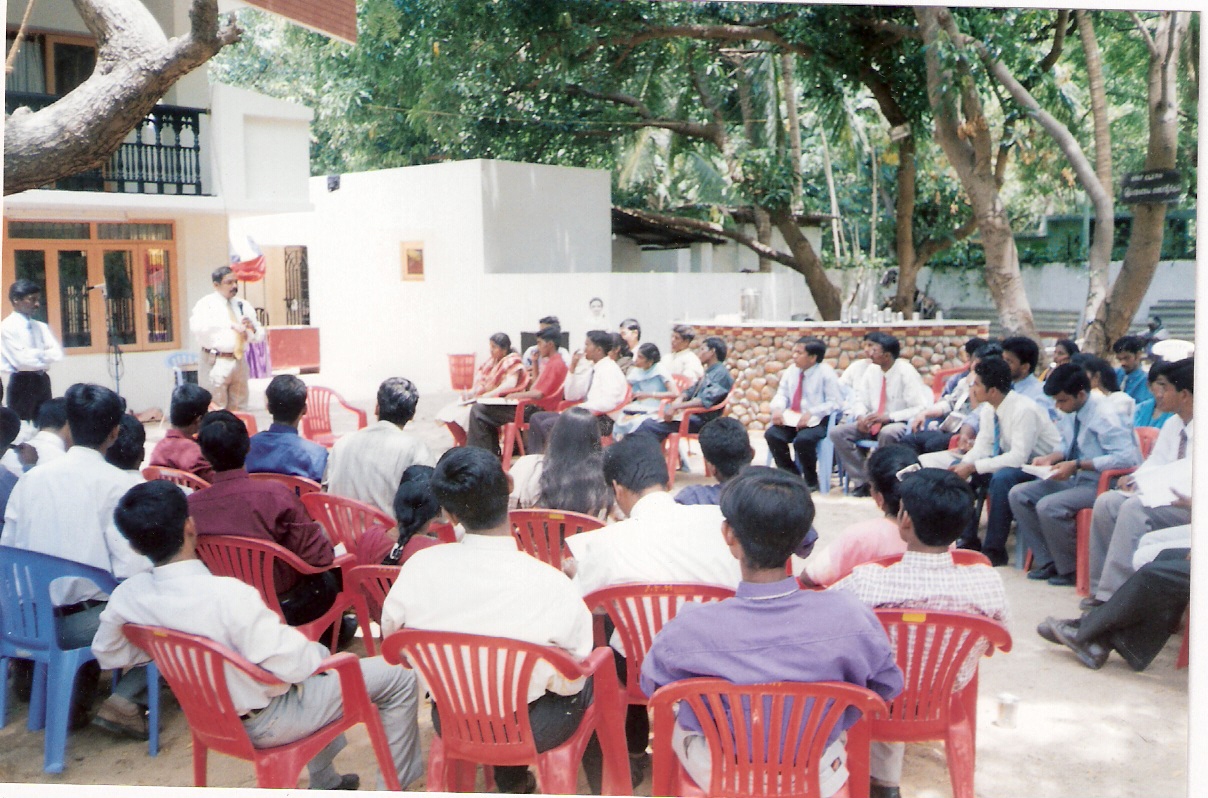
{"x": 876, "y": 428}
{"x": 796, "y": 406}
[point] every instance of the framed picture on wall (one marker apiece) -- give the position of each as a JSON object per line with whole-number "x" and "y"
{"x": 413, "y": 260}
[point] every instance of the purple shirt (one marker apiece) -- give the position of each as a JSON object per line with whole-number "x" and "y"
{"x": 181, "y": 452}
{"x": 775, "y": 632}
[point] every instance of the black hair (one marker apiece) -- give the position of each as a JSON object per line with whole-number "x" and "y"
{"x": 618, "y": 345}
{"x": 217, "y": 275}
{"x": 888, "y": 343}
{"x": 152, "y": 516}
{"x": 189, "y": 403}
{"x": 814, "y": 347}
{"x": 1129, "y": 343}
{"x": 939, "y": 504}
{"x": 770, "y": 512}
{"x": 636, "y": 463}
{"x": 285, "y": 397}
{"x": 22, "y": 288}
{"x": 718, "y": 346}
{"x": 989, "y": 349}
{"x": 1181, "y": 374}
{"x": 502, "y": 341}
{"x": 1069, "y": 345}
{"x": 10, "y": 427}
{"x": 631, "y": 324}
{"x": 650, "y": 352}
{"x": 553, "y": 333}
{"x": 397, "y": 399}
{"x": 414, "y": 503}
{"x": 1091, "y": 364}
{"x": 92, "y": 413}
{"x": 128, "y": 450}
{"x": 469, "y": 483}
{"x": 994, "y": 373}
{"x": 602, "y": 339}
{"x": 1156, "y": 369}
{"x": 572, "y": 473}
{"x": 883, "y": 466}
{"x": 549, "y": 320}
{"x": 223, "y": 440}
{"x": 724, "y": 443}
{"x": 685, "y": 332}
{"x": 974, "y": 344}
{"x": 1069, "y": 379}
{"x": 52, "y": 414}
{"x": 1024, "y": 348}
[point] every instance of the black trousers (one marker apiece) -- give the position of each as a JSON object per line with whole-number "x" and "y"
{"x": 310, "y": 598}
{"x": 487, "y": 420}
{"x": 27, "y": 390}
{"x": 805, "y": 444}
{"x": 931, "y": 440}
{"x": 1139, "y": 617}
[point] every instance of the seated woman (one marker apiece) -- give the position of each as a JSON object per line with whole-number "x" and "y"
{"x": 1147, "y": 414}
{"x": 1105, "y": 383}
{"x": 630, "y": 333}
{"x": 570, "y": 475}
{"x": 651, "y": 384}
{"x": 1063, "y": 350}
{"x": 502, "y": 373}
{"x": 415, "y": 509}
{"x": 867, "y": 540}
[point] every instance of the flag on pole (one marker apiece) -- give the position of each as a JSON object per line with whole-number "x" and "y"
{"x": 247, "y": 261}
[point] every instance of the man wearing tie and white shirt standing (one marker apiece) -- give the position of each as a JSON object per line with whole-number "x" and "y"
{"x": 225, "y": 326}
{"x": 27, "y": 348}
{"x": 807, "y": 394}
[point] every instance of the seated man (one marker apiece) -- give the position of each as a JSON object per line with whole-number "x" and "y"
{"x": 1092, "y": 441}
{"x": 51, "y": 441}
{"x": 954, "y": 414}
{"x": 1022, "y": 355}
{"x": 809, "y": 391}
{"x": 367, "y": 465}
{"x": 936, "y": 506}
{"x": 967, "y": 351}
{"x": 179, "y": 449}
{"x": 1129, "y": 351}
{"x": 546, "y": 391}
{"x": 485, "y": 586}
{"x": 595, "y": 379}
{"x": 280, "y": 449}
{"x": 854, "y": 370}
{"x": 727, "y": 449}
{"x": 770, "y": 631}
{"x": 709, "y": 391}
{"x": 128, "y": 450}
{"x": 181, "y": 594}
{"x": 531, "y": 355}
{"x": 1014, "y": 431}
{"x": 1121, "y": 517}
{"x": 682, "y": 359}
{"x": 888, "y": 394}
{"x": 238, "y": 505}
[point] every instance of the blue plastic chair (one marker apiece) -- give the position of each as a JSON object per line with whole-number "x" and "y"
{"x": 27, "y": 631}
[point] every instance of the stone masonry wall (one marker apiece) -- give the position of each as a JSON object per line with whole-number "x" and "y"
{"x": 758, "y": 354}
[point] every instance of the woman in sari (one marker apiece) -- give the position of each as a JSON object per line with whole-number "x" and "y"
{"x": 650, "y": 383}
{"x": 502, "y": 373}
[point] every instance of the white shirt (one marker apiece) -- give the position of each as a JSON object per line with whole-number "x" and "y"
{"x": 211, "y": 322}
{"x": 1124, "y": 405}
{"x": 906, "y": 393}
{"x": 854, "y": 371}
{"x": 368, "y": 464}
{"x": 1025, "y": 432}
{"x": 821, "y": 394}
{"x": 47, "y": 444}
{"x": 685, "y": 362}
{"x": 484, "y": 585}
{"x": 26, "y": 345}
{"x": 660, "y": 543}
{"x": 186, "y": 597}
{"x": 601, "y": 386}
{"x": 1166, "y": 447}
{"x": 65, "y": 509}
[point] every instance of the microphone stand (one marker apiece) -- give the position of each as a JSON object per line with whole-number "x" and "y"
{"x": 113, "y": 354}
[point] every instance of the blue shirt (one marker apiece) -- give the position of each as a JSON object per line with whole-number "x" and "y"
{"x": 281, "y": 450}
{"x": 1144, "y": 416}
{"x": 1101, "y": 437}
{"x": 1135, "y": 384}
{"x": 700, "y": 494}
{"x": 1033, "y": 388}
{"x": 711, "y": 389}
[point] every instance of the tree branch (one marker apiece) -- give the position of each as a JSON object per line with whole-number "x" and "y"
{"x": 1149, "y": 42}
{"x": 684, "y": 223}
{"x": 713, "y": 132}
{"x": 725, "y": 33}
{"x": 933, "y": 246}
{"x": 1063, "y": 21}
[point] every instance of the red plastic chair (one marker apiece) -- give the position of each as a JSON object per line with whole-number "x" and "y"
{"x": 186, "y": 479}
{"x": 939, "y": 378}
{"x": 461, "y": 372}
{"x": 671, "y": 442}
{"x": 511, "y": 434}
{"x": 638, "y": 612}
{"x": 301, "y": 486}
{"x": 369, "y": 585}
{"x": 540, "y": 533}
{"x": 682, "y": 382}
{"x": 931, "y": 648}
{"x": 248, "y": 420}
{"x": 255, "y": 562}
{"x": 459, "y": 434}
{"x": 484, "y": 710}
{"x": 344, "y": 519}
{"x": 566, "y": 404}
{"x": 749, "y": 760}
{"x": 316, "y": 424}
{"x": 959, "y": 557}
{"x": 197, "y": 670}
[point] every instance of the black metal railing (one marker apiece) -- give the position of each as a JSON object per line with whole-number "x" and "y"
{"x": 162, "y": 155}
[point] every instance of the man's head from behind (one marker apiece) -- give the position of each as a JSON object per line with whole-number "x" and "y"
{"x": 285, "y": 398}
{"x": 52, "y": 415}
{"x": 223, "y": 440}
{"x": 937, "y": 507}
{"x": 10, "y": 428}
{"x": 93, "y": 413}
{"x": 633, "y": 466}
{"x": 153, "y": 516}
{"x": 397, "y": 399}
{"x": 884, "y": 464}
{"x": 769, "y": 512}
{"x": 470, "y": 484}
{"x": 724, "y": 443}
{"x": 128, "y": 450}
{"x": 189, "y": 403}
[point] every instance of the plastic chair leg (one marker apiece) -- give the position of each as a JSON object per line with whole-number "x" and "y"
{"x": 961, "y": 752}
{"x": 4, "y": 692}
{"x": 62, "y": 679}
{"x": 558, "y": 771}
{"x": 199, "y": 763}
{"x": 38, "y": 698}
{"x": 1082, "y": 567}
{"x": 826, "y": 464}
{"x": 153, "y": 709}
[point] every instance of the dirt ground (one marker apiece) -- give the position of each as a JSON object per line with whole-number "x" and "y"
{"x": 1111, "y": 733}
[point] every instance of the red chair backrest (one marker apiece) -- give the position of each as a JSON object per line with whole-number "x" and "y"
{"x": 252, "y": 561}
{"x": 185, "y": 479}
{"x": 371, "y": 584}
{"x": 318, "y": 410}
{"x": 940, "y": 378}
{"x": 344, "y": 519}
{"x": 1146, "y": 438}
{"x": 959, "y": 557}
{"x": 248, "y": 420}
{"x": 540, "y": 532}
{"x": 443, "y": 531}
{"x": 301, "y": 486}
{"x": 682, "y": 382}
{"x": 775, "y": 751}
{"x": 639, "y": 611}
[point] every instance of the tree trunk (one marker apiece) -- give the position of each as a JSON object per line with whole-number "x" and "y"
{"x": 1099, "y": 258}
{"x": 789, "y": 81}
{"x": 826, "y": 296}
{"x": 908, "y": 265}
{"x": 836, "y": 222}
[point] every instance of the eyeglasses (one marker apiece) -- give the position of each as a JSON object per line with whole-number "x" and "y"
{"x": 910, "y": 469}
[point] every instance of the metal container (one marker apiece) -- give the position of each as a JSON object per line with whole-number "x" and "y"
{"x": 750, "y": 304}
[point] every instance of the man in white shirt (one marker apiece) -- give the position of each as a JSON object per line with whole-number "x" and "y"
{"x": 1121, "y": 518}
{"x": 884, "y": 399}
{"x": 27, "y": 348}
{"x": 683, "y": 360}
{"x": 225, "y": 327}
{"x": 367, "y": 465}
{"x": 50, "y": 442}
{"x": 531, "y": 355}
{"x": 181, "y": 594}
{"x": 65, "y": 509}
{"x": 594, "y": 378}
{"x": 809, "y": 390}
{"x": 485, "y": 585}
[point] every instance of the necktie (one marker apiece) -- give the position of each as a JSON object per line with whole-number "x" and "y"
{"x": 876, "y": 428}
{"x": 796, "y": 406}
{"x": 240, "y": 338}
{"x": 997, "y": 450}
{"x": 1182, "y": 444}
{"x": 1074, "y": 446}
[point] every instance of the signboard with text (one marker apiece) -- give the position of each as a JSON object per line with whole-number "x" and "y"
{"x": 1152, "y": 186}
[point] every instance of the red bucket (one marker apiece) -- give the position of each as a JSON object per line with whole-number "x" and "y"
{"x": 461, "y": 372}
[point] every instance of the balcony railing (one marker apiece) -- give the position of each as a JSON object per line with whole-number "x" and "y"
{"x": 162, "y": 155}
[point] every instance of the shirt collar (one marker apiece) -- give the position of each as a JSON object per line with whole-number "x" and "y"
{"x": 490, "y": 542}
{"x": 180, "y": 568}
{"x": 228, "y": 476}
{"x": 923, "y": 559}
{"x": 284, "y": 429}
{"x": 768, "y": 590}
{"x": 651, "y": 503}
{"x": 175, "y": 433}
{"x": 86, "y": 453}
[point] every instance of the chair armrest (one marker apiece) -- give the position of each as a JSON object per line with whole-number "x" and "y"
{"x": 352, "y": 681}
{"x": 519, "y": 420}
{"x": 345, "y": 560}
{"x": 1107, "y": 478}
{"x": 362, "y": 416}
{"x": 568, "y": 403}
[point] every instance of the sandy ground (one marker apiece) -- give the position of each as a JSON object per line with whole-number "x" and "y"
{"x": 1078, "y": 732}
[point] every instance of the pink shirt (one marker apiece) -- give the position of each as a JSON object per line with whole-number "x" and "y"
{"x": 859, "y": 543}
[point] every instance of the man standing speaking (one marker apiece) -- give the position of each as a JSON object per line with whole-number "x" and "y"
{"x": 225, "y": 326}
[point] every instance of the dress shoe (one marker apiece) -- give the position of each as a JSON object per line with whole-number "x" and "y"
{"x": 122, "y": 716}
{"x": 638, "y": 764}
{"x": 348, "y": 632}
{"x": 884, "y": 791}
{"x": 1091, "y": 654}
{"x": 1089, "y": 603}
{"x": 997, "y": 558}
{"x": 348, "y": 781}
{"x": 971, "y": 544}
{"x": 862, "y": 492}
{"x": 1044, "y": 572}
{"x": 1062, "y": 580}
{"x": 1045, "y": 629}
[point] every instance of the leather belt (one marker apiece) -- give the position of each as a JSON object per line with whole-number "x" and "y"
{"x": 79, "y": 606}
{"x": 216, "y": 353}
